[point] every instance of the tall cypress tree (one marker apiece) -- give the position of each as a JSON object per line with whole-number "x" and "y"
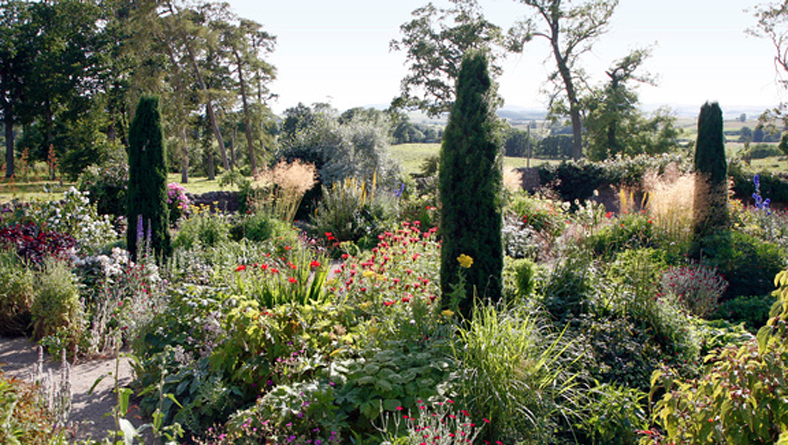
{"x": 470, "y": 188}
{"x": 711, "y": 167}
{"x": 147, "y": 210}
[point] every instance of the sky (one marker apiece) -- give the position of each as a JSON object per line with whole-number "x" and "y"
{"x": 337, "y": 51}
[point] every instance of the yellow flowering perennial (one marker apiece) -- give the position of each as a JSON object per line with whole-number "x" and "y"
{"x": 465, "y": 261}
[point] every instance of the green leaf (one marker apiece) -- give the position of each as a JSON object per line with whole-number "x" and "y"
{"x": 391, "y": 404}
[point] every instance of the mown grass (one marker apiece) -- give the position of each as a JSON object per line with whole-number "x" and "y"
{"x": 412, "y": 156}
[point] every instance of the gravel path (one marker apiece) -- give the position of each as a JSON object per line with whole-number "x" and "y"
{"x": 18, "y": 358}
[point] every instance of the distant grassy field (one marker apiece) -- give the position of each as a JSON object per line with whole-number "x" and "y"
{"x": 412, "y": 156}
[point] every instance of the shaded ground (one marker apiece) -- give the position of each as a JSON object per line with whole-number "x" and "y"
{"x": 18, "y": 358}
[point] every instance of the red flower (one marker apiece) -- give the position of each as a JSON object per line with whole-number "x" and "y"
{"x": 314, "y": 264}
{"x": 609, "y": 215}
{"x": 388, "y": 303}
{"x": 264, "y": 267}
{"x": 240, "y": 268}
{"x": 292, "y": 280}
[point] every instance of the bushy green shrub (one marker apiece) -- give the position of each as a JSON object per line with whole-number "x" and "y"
{"x": 524, "y": 276}
{"x": 752, "y": 310}
{"x": 543, "y": 215}
{"x": 106, "y": 186}
{"x": 17, "y": 293}
{"x": 613, "y": 414}
{"x": 260, "y": 227}
{"x": 637, "y": 272}
{"x": 204, "y": 229}
{"x": 573, "y": 180}
{"x": 56, "y": 303}
{"x": 352, "y": 211}
{"x": 739, "y": 399}
{"x": 746, "y": 262}
{"x": 567, "y": 288}
{"x": 628, "y": 231}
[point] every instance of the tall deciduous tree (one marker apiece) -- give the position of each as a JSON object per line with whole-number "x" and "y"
{"x": 434, "y": 43}
{"x": 147, "y": 211}
{"x": 571, "y": 28}
{"x": 470, "y": 180}
{"x": 613, "y": 123}
{"x": 711, "y": 168}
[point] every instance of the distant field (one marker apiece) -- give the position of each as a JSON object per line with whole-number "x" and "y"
{"x": 412, "y": 156}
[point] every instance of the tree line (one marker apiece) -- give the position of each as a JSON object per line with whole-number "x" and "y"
{"x": 73, "y": 71}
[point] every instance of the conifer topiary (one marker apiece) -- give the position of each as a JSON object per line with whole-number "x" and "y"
{"x": 711, "y": 168}
{"x": 147, "y": 210}
{"x": 470, "y": 179}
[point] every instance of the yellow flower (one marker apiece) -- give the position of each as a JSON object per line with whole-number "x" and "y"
{"x": 447, "y": 313}
{"x": 368, "y": 273}
{"x": 465, "y": 261}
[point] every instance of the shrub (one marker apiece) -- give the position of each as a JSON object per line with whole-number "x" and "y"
{"x": 260, "y": 227}
{"x": 352, "y": 211}
{"x": 177, "y": 202}
{"x": 573, "y": 180}
{"x": 613, "y": 415}
{"x": 56, "y": 303}
{"x": 745, "y": 261}
{"x": 146, "y": 205}
{"x": 204, "y": 229}
{"x": 711, "y": 168}
{"x": 33, "y": 244}
{"x": 106, "y": 186}
{"x": 753, "y": 310}
{"x": 17, "y": 293}
{"x": 524, "y": 271}
{"x": 696, "y": 287}
{"x": 470, "y": 181}
{"x": 740, "y": 397}
{"x": 74, "y": 215}
{"x": 543, "y": 215}
{"x": 629, "y": 231}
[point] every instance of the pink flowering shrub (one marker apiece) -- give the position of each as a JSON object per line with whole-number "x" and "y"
{"x": 696, "y": 287}
{"x": 177, "y": 201}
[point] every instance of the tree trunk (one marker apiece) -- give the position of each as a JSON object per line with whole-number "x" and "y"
{"x": 247, "y": 120}
{"x": 232, "y": 149}
{"x": 9, "y": 139}
{"x": 184, "y": 157}
{"x": 571, "y": 94}
{"x": 208, "y": 103}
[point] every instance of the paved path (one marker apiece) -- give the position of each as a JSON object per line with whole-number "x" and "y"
{"x": 18, "y": 358}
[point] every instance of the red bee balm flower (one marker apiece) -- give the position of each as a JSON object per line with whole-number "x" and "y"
{"x": 240, "y": 268}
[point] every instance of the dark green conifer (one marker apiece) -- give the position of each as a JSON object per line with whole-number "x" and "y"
{"x": 711, "y": 168}
{"x": 470, "y": 188}
{"x": 147, "y": 210}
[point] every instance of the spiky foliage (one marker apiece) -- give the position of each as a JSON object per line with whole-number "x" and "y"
{"x": 147, "y": 210}
{"x": 711, "y": 168}
{"x": 470, "y": 189}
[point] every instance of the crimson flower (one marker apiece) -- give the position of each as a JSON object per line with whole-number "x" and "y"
{"x": 240, "y": 268}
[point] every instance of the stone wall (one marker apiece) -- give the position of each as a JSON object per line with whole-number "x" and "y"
{"x": 217, "y": 201}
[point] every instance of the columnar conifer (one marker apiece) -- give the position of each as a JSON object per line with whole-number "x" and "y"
{"x": 470, "y": 189}
{"x": 147, "y": 210}
{"x": 711, "y": 168}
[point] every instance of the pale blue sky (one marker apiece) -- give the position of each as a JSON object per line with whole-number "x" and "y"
{"x": 337, "y": 51}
